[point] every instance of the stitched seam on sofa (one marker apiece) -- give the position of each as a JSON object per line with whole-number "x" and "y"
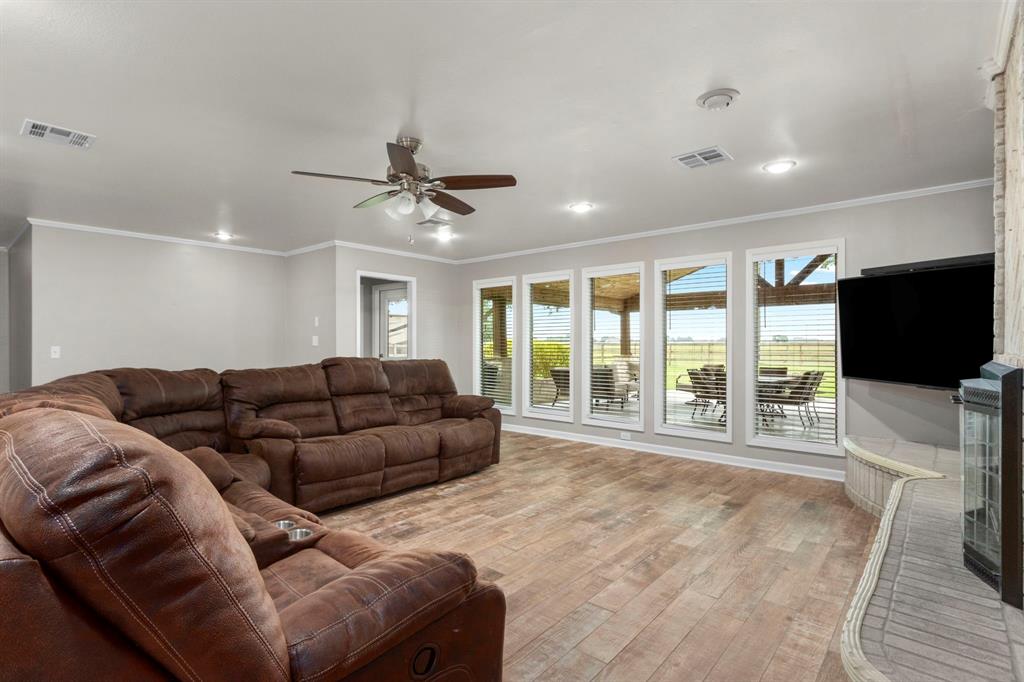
{"x": 67, "y": 525}
{"x": 271, "y": 571}
{"x": 163, "y": 393}
{"x": 119, "y": 455}
{"x": 368, "y": 605}
{"x": 388, "y": 631}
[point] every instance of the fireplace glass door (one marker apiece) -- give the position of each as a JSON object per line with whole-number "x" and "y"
{"x": 982, "y": 491}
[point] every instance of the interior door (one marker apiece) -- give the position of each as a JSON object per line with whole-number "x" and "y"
{"x": 391, "y": 326}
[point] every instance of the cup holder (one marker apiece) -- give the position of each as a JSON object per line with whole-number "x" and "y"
{"x": 299, "y": 534}
{"x": 284, "y": 524}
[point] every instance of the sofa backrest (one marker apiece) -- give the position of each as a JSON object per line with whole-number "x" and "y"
{"x": 297, "y": 395}
{"x": 184, "y": 409}
{"x": 41, "y": 618}
{"x": 418, "y": 389}
{"x": 139, "y": 536}
{"x": 359, "y": 393}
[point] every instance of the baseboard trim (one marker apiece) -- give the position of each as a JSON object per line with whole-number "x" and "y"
{"x": 684, "y": 453}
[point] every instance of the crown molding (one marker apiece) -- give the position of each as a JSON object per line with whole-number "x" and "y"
{"x": 756, "y": 217}
{"x": 996, "y": 64}
{"x": 56, "y": 224}
{"x": 739, "y": 220}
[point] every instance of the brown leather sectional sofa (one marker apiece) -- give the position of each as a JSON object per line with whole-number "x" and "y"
{"x": 138, "y": 539}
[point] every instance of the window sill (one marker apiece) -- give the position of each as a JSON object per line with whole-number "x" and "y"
{"x": 793, "y": 445}
{"x": 548, "y": 416}
{"x": 697, "y": 434}
{"x": 612, "y": 424}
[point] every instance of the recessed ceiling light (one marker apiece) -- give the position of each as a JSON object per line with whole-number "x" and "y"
{"x": 223, "y": 236}
{"x": 444, "y": 233}
{"x": 581, "y": 207}
{"x": 718, "y": 100}
{"x": 780, "y": 166}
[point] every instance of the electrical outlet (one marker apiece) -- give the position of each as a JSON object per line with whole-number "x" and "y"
{"x": 316, "y": 340}
{"x": 55, "y": 352}
{"x": 316, "y": 320}
{"x": 625, "y": 435}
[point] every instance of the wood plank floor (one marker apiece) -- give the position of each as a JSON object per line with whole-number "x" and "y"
{"x": 619, "y": 565}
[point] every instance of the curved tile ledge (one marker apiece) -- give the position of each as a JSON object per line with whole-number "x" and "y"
{"x": 924, "y": 503}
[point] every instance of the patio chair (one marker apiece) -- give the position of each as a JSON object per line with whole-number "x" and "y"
{"x": 561, "y": 377}
{"x": 604, "y": 387}
{"x": 767, "y": 393}
{"x": 705, "y": 393}
{"x": 802, "y": 395}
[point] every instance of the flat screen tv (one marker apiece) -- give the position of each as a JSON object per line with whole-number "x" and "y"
{"x": 927, "y": 327}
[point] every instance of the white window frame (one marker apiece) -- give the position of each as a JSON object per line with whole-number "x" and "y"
{"x": 660, "y": 427}
{"x": 586, "y": 350}
{"x": 777, "y": 442}
{"x": 508, "y": 410}
{"x": 527, "y": 327}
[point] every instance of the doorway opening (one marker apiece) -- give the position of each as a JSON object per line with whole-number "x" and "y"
{"x": 386, "y": 316}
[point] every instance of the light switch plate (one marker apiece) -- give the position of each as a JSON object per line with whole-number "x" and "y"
{"x": 316, "y": 340}
{"x": 316, "y": 320}
{"x": 55, "y": 352}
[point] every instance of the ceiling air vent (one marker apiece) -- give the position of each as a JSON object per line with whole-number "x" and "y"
{"x": 434, "y": 222}
{"x": 57, "y": 135}
{"x": 703, "y": 157}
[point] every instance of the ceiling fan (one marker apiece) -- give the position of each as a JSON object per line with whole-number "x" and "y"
{"x": 413, "y": 185}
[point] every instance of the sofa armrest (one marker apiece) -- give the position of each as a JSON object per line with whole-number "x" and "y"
{"x": 466, "y": 406}
{"x": 354, "y": 618}
{"x": 248, "y": 429}
{"x": 279, "y": 454}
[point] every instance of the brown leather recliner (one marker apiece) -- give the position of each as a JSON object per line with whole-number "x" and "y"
{"x": 120, "y": 560}
{"x": 351, "y": 429}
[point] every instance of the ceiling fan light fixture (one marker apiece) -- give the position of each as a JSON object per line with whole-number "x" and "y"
{"x": 405, "y": 203}
{"x": 581, "y": 207}
{"x": 428, "y": 208}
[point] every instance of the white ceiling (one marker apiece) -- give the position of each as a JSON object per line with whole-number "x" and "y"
{"x": 202, "y": 109}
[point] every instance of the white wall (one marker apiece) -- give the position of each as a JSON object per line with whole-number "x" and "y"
{"x": 937, "y": 226}
{"x": 20, "y": 311}
{"x": 310, "y": 293}
{"x": 112, "y": 301}
{"x": 5, "y": 331}
{"x": 437, "y": 300}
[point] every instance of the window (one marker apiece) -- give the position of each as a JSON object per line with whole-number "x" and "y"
{"x": 693, "y": 358}
{"x": 548, "y": 374}
{"x": 494, "y": 330}
{"x": 794, "y": 384}
{"x": 613, "y": 339}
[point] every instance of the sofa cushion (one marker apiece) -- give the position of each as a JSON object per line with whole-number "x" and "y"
{"x": 96, "y": 384}
{"x": 297, "y": 395}
{"x": 33, "y": 398}
{"x": 255, "y": 500}
{"x": 349, "y": 615}
{"x": 334, "y": 457}
{"x": 404, "y": 444}
{"x": 213, "y": 464}
{"x": 359, "y": 393}
{"x": 138, "y": 533}
{"x": 418, "y": 389}
{"x": 249, "y": 467}
{"x": 184, "y": 408}
{"x": 462, "y": 436}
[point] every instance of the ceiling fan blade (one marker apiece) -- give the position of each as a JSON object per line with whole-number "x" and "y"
{"x": 450, "y": 203}
{"x": 377, "y": 199}
{"x": 341, "y": 177}
{"x": 476, "y": 181}
{"x": 402, "y": 160}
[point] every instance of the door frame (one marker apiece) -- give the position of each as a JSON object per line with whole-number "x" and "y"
{"x": 410, "y": 282}
{"x": 375, "y": 291}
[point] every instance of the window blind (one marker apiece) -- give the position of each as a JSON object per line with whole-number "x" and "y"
{"x": 614, "y": 351}
{"x": 795, "y": 347}
{"x": 694, "y": 344}
{"x": 496, "y": 331}
{"x": 550, "y": 352}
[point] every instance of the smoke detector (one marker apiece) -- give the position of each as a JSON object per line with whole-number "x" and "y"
{"x": 703, "y": 157}
{"x": 56, "y": 134}
{"x": 718, "y": 100}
